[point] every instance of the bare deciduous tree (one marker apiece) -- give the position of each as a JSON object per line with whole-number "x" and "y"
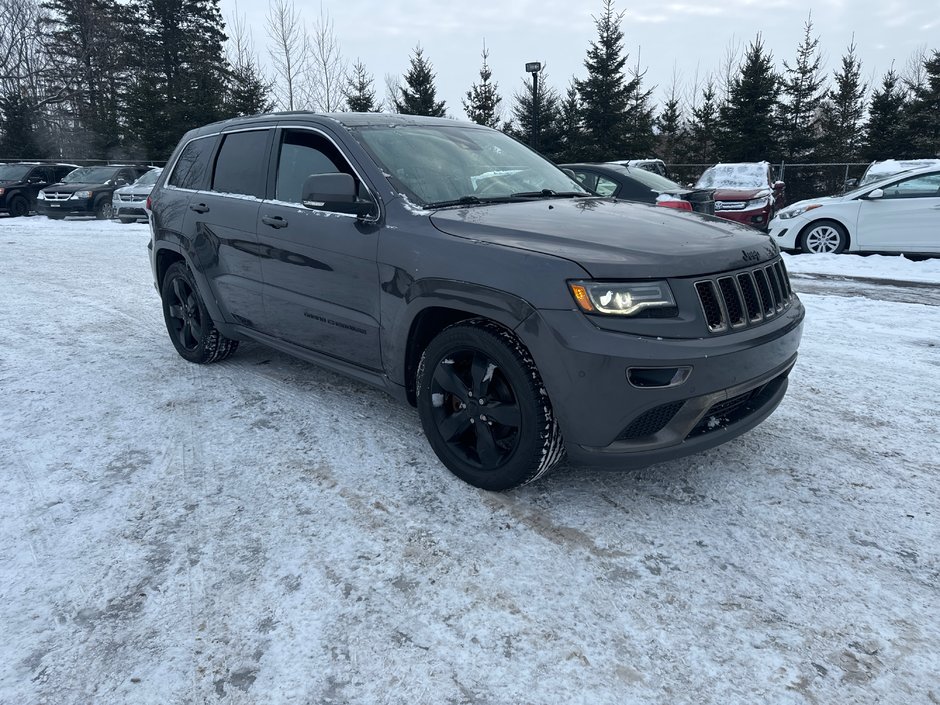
{"x": 327, "y": 69}
{"x": 290, "y": 52}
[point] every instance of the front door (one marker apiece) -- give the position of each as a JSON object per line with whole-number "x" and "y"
{"x": 321, "y": 287}
{"x": 905, "y": 219}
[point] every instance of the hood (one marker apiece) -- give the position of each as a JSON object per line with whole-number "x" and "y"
{"x": 76, "y": 186}
{"x": 138, "y": 190}
{"x": 613, "y": 239}
{"x": 7, "y": 182}
{"x": 741, "y": 194}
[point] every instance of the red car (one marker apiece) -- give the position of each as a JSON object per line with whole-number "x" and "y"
{"x": 744, "y": 192}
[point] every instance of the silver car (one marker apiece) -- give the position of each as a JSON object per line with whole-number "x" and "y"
{"x": 129, "y": 201}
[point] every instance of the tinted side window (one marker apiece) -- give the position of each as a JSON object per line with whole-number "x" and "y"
{"x": 302, "y": 154}
{"x": 605, "y": 187}
{"x": 586, "y": 179}
{"x": 241, "y": 164}
{"x": 192, "y": 165}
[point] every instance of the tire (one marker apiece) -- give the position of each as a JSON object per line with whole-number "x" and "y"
{"x": 512, "y": 438}
{"x": 824, "y": 237}
{"x": 126, "y": 220}
{"x": 56, "y": 217}
{"x": 19, "y": 207}
{"x": 104, "y": 210}
{"x": 188, "y": 323}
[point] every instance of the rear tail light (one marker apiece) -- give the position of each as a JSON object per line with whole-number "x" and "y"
{"x": 149, "y": 203}
{"x": 678, "y": 205}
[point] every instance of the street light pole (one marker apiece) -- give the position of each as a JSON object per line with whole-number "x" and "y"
{"x": 534, "y": 67}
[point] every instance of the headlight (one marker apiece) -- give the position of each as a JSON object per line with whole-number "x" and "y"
{"x": 80, "y": 194}
{"x": 757, "y": 203}
{"x": 40, "y": 196}
{"x": 621, "y": 298}
{"x": 2, "y": 191}
{"x": 799, "y": 210}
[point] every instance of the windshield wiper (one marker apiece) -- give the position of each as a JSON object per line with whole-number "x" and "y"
{"x": 471, "y": 201}
{"x": 548, "y": 193}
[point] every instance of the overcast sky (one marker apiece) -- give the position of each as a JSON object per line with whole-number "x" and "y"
{"x": 681, "y": 37}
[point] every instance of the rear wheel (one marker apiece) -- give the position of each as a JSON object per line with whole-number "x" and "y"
{"x": 126, "y": 220}
{"x": 191, "y": 330}
{"x": 484, "y": 409}
{"x": 825, "y": 237}
{"x": 19, "y": 207}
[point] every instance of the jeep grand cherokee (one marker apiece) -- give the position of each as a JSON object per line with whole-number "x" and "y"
{"x": 461, "y": 272}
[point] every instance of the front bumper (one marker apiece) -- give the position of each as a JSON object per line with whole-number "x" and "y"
{"x": 786, "y": 232}
{"x": 129, "y": 209}
{"x": 755, "y": 217}
{"x": 736, "y": 381}
{"x": 84, "y": 206}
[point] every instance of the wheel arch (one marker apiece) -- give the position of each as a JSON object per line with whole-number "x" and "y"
{"x": 828, "y": 219}
{"x": 439, "y": 305}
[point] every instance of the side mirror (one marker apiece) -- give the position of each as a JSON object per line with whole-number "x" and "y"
{"x": 850, "y": 184}
{"x": 779, "y": 186}
{"x": 875, "y": 195}
{"x": 335, "y": 193}
{"x": 121, "y": 182}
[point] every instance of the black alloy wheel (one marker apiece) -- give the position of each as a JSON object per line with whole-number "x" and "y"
{"x": 191, "y": 329}
{"x": 484, "y": 409}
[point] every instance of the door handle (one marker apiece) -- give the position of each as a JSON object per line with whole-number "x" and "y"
{"x": 199, "y": 207}
{"x": 275, "y": 221}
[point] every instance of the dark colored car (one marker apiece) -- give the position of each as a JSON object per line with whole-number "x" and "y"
{"x": 637, "y": 184}
{"x": 460, "y": 271}
{"x": 86, "y": 191}
{"x": 744, "y": 192}
{"x": 21, "y": 182}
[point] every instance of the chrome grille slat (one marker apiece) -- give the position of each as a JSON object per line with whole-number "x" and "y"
{"x": 744, "y": 298}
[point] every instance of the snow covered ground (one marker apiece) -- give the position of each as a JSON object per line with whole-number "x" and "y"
{"x": 262, "y": 531}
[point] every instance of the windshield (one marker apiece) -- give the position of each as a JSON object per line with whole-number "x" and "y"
{"x": 889, "y": 167}
{"x": 149, "y": 178}
{"x": 13, "y": 172}
{"x": 743, "y": 176}
{"x": 437, "y": 164}
{"x": 91, "y": 175}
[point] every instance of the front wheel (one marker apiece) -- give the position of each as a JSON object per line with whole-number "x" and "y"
{"x": 19, "y": 207}
{"x": 191, "y": 330}
{"x": 484, "y": 409}
{"x": 104, "y": 210}
{"x": 825, "y": 237}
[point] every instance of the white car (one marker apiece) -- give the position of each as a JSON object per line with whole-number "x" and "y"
{"x": 899, "y": 213}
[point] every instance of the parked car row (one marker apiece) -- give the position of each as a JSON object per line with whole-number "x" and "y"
{"x": 60, "y": 190}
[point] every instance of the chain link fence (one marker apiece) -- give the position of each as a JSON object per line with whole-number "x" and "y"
{"x": 803, "y": 180}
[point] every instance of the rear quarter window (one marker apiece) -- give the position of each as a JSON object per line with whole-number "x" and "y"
{"x": 193, "y": 164}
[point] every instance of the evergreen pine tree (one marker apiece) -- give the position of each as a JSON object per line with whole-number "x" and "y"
{"x": 639, "y": 139}
{"x": 605, "y": 93}
{"x": 87, "y": 40}
{"x": 524, "y": 110}
{"x": 888, "y": 134}
{"x": 482, "y": 101}
{"x": 18, "y": 128}
{"x": 924, "y": 110}
{"x": 842, "y": 111}
{"x": 801, "y": 90}
{"x": 703, "y": 126}
{"x": 747, "y": 129}
{"x": 248, "y": 93}
{"x": 671, "y": 127}
{"x": 419, "y": 96}
{"x": 359, "y": 92}
{"x": 570, "y": 127}
{"x": 180, "y": 72}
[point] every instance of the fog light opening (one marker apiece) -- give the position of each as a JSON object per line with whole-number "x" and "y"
{"x": 657, "y": 377}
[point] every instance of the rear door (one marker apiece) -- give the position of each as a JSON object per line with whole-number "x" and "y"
{"x": 320, "y": 273}
{"x": 222, "y": 222}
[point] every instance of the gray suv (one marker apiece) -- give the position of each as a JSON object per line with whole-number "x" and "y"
{"x": 463, "y": 273}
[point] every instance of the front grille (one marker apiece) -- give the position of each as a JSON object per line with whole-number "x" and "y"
{"x": 650, "y": 422}
{"x": 746, "y": 298}
{"x": 131, "y": 197}
{"x": 56, "y": 196}
{"x": 730, "y": 205}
